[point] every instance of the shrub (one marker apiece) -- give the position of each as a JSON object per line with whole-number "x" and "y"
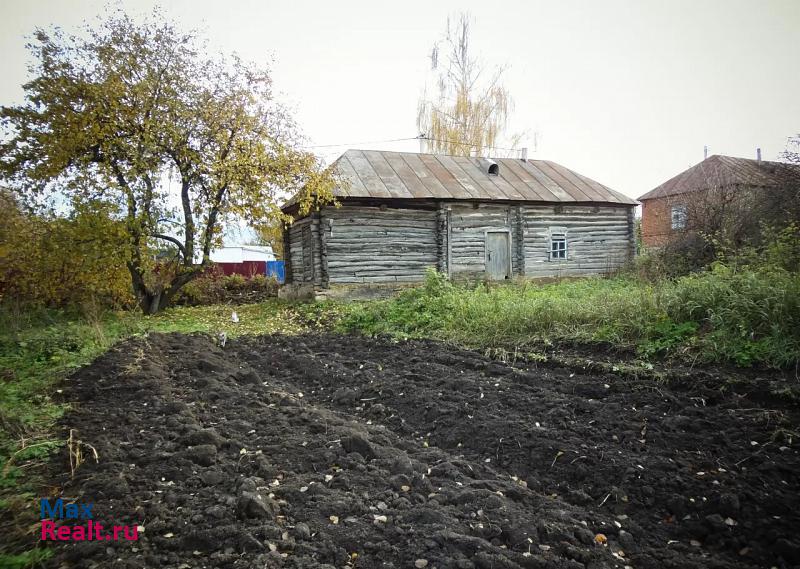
{"x": 216, "y": 288}
{"x": 56, "y": 262}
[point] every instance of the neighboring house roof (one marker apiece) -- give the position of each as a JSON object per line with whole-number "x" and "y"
{"x": 242, "y": 254}
{"x": 407, "y": 175}
{"x": 720, "y": 171}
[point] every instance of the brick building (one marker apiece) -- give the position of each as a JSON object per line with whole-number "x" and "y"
{"x": 716, "y": 183}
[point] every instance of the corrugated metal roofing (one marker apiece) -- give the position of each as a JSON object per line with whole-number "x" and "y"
{"x": 721, "y": 171}
{"x": 407, "y": 175}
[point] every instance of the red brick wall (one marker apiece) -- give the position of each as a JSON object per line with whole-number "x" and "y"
{"x": 657, "y": 220}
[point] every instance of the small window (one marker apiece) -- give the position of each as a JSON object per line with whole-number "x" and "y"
{"x": 558, "y": 246}
{"x": 678, "y": 217}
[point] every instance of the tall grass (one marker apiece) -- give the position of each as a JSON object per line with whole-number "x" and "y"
{"x": 746, "y": 317}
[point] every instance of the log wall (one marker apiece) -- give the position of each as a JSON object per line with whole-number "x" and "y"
{"x": 370, "y": 244}
{"x": 366, "y": 244}
{"x": 304, "y": 257}
{"x": 468, "y": 227}
{"x": 599, "y": 239}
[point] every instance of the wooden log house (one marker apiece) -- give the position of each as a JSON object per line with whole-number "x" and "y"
{"x": 471, "y": 218}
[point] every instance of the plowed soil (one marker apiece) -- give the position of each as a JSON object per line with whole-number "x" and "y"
{"x": 332, "y": 451}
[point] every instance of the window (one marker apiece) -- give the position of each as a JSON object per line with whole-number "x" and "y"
{"x": 678, "y": 217}
{"x": 558, "y": 246}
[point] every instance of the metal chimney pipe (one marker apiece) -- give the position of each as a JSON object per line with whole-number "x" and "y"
{"x": 524, "y": 153}
{"x": 705, "y": 152}
{"x": 758, "y": 154}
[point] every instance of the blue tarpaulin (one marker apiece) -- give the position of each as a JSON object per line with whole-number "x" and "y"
{"x": 276, "y": 269}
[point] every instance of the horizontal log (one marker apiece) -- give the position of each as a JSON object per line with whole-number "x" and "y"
{"x": 410, "y": 236}
{"x": 373, "y": 250}
{"x": 534, "y": 229}
{"x": 481, "y": 210}
{"x": 578, "y": 230}
{"x": 473, "y": 217}
{"x": 427, "y": 223}
{"x": 548, "y": 266}
{"x": 580, "y": 253}
{"x": 398, "y": 267}
{"x": 347, "y": 227}
{"x": 352, "y": 254}
{"x": 411, "y": 275}
{"x": 380, "y": 279}
{"x": 368, "y": 210}
{"x": 384, "y": 263}
{"x": 574, "y": 210}
{"x": 380, "y": 218}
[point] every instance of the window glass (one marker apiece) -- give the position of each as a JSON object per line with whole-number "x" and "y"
{"x": 678, "y": 217}
{"x": 558, "y": 246}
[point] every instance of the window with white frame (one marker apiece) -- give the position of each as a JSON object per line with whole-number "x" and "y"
{"x": 558, "y": 246}
{"x": 678, "y": 217}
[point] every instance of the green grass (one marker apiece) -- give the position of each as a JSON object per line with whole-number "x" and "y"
{"x": 39, "y": 347}
{"x": 722, "y": 316}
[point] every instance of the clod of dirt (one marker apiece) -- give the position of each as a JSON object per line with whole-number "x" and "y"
{"x": 252, "y": 505}
{"x": 203, "y": 437}
{"x": 402, "y": 465}
{"x": 204, "y": 455}
{"x": 212, "y": 477}
{"x": 302, "y": 531}
{"x": 358, "y": 444}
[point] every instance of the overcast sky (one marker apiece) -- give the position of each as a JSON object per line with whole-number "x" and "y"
{"x": 625, "y": 92}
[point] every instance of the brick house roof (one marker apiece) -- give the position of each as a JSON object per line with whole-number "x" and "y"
{"x": 720, "y": 171}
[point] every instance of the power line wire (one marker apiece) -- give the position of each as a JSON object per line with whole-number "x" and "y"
{"x": 360, "y": 143}
{"x": 351, "y": 144}
{"x": 470, "y": 145}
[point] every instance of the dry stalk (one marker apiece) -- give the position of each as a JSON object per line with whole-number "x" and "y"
{"x": 76, "y": 458}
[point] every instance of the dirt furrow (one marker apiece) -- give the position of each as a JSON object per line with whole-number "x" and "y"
{"x": 324, "y": 450}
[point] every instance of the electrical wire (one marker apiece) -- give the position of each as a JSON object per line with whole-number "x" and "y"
{"x": 360, "y": 143}
{"x": 470, "y": 145}
{"x": 352, "y": 144}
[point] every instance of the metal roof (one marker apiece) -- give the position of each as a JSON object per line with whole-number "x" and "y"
{"x": 720, "y": 171}
{"x": 408, "y": 175}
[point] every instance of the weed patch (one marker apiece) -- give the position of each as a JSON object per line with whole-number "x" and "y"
{"x": 746, "y": 317}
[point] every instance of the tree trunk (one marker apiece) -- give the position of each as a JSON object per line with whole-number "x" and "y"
{"x": 154, "y": 301}
{"x": 151, "y": 303}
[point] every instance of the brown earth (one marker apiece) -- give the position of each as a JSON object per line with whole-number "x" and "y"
{"x": 324, "y": 450}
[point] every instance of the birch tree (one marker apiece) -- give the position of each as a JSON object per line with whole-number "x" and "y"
{"x": 467, "y": 111}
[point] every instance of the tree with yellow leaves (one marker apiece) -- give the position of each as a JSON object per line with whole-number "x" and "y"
{"x": 140, "y": 116}
{"x": 468, "y": 112}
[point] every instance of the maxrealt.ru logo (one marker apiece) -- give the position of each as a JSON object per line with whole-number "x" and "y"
{"x": 80, "y": 524}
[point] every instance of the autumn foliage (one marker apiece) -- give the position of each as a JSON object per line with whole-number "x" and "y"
{"x": 58, "y": 261}
{"x": 176, "y": 140}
